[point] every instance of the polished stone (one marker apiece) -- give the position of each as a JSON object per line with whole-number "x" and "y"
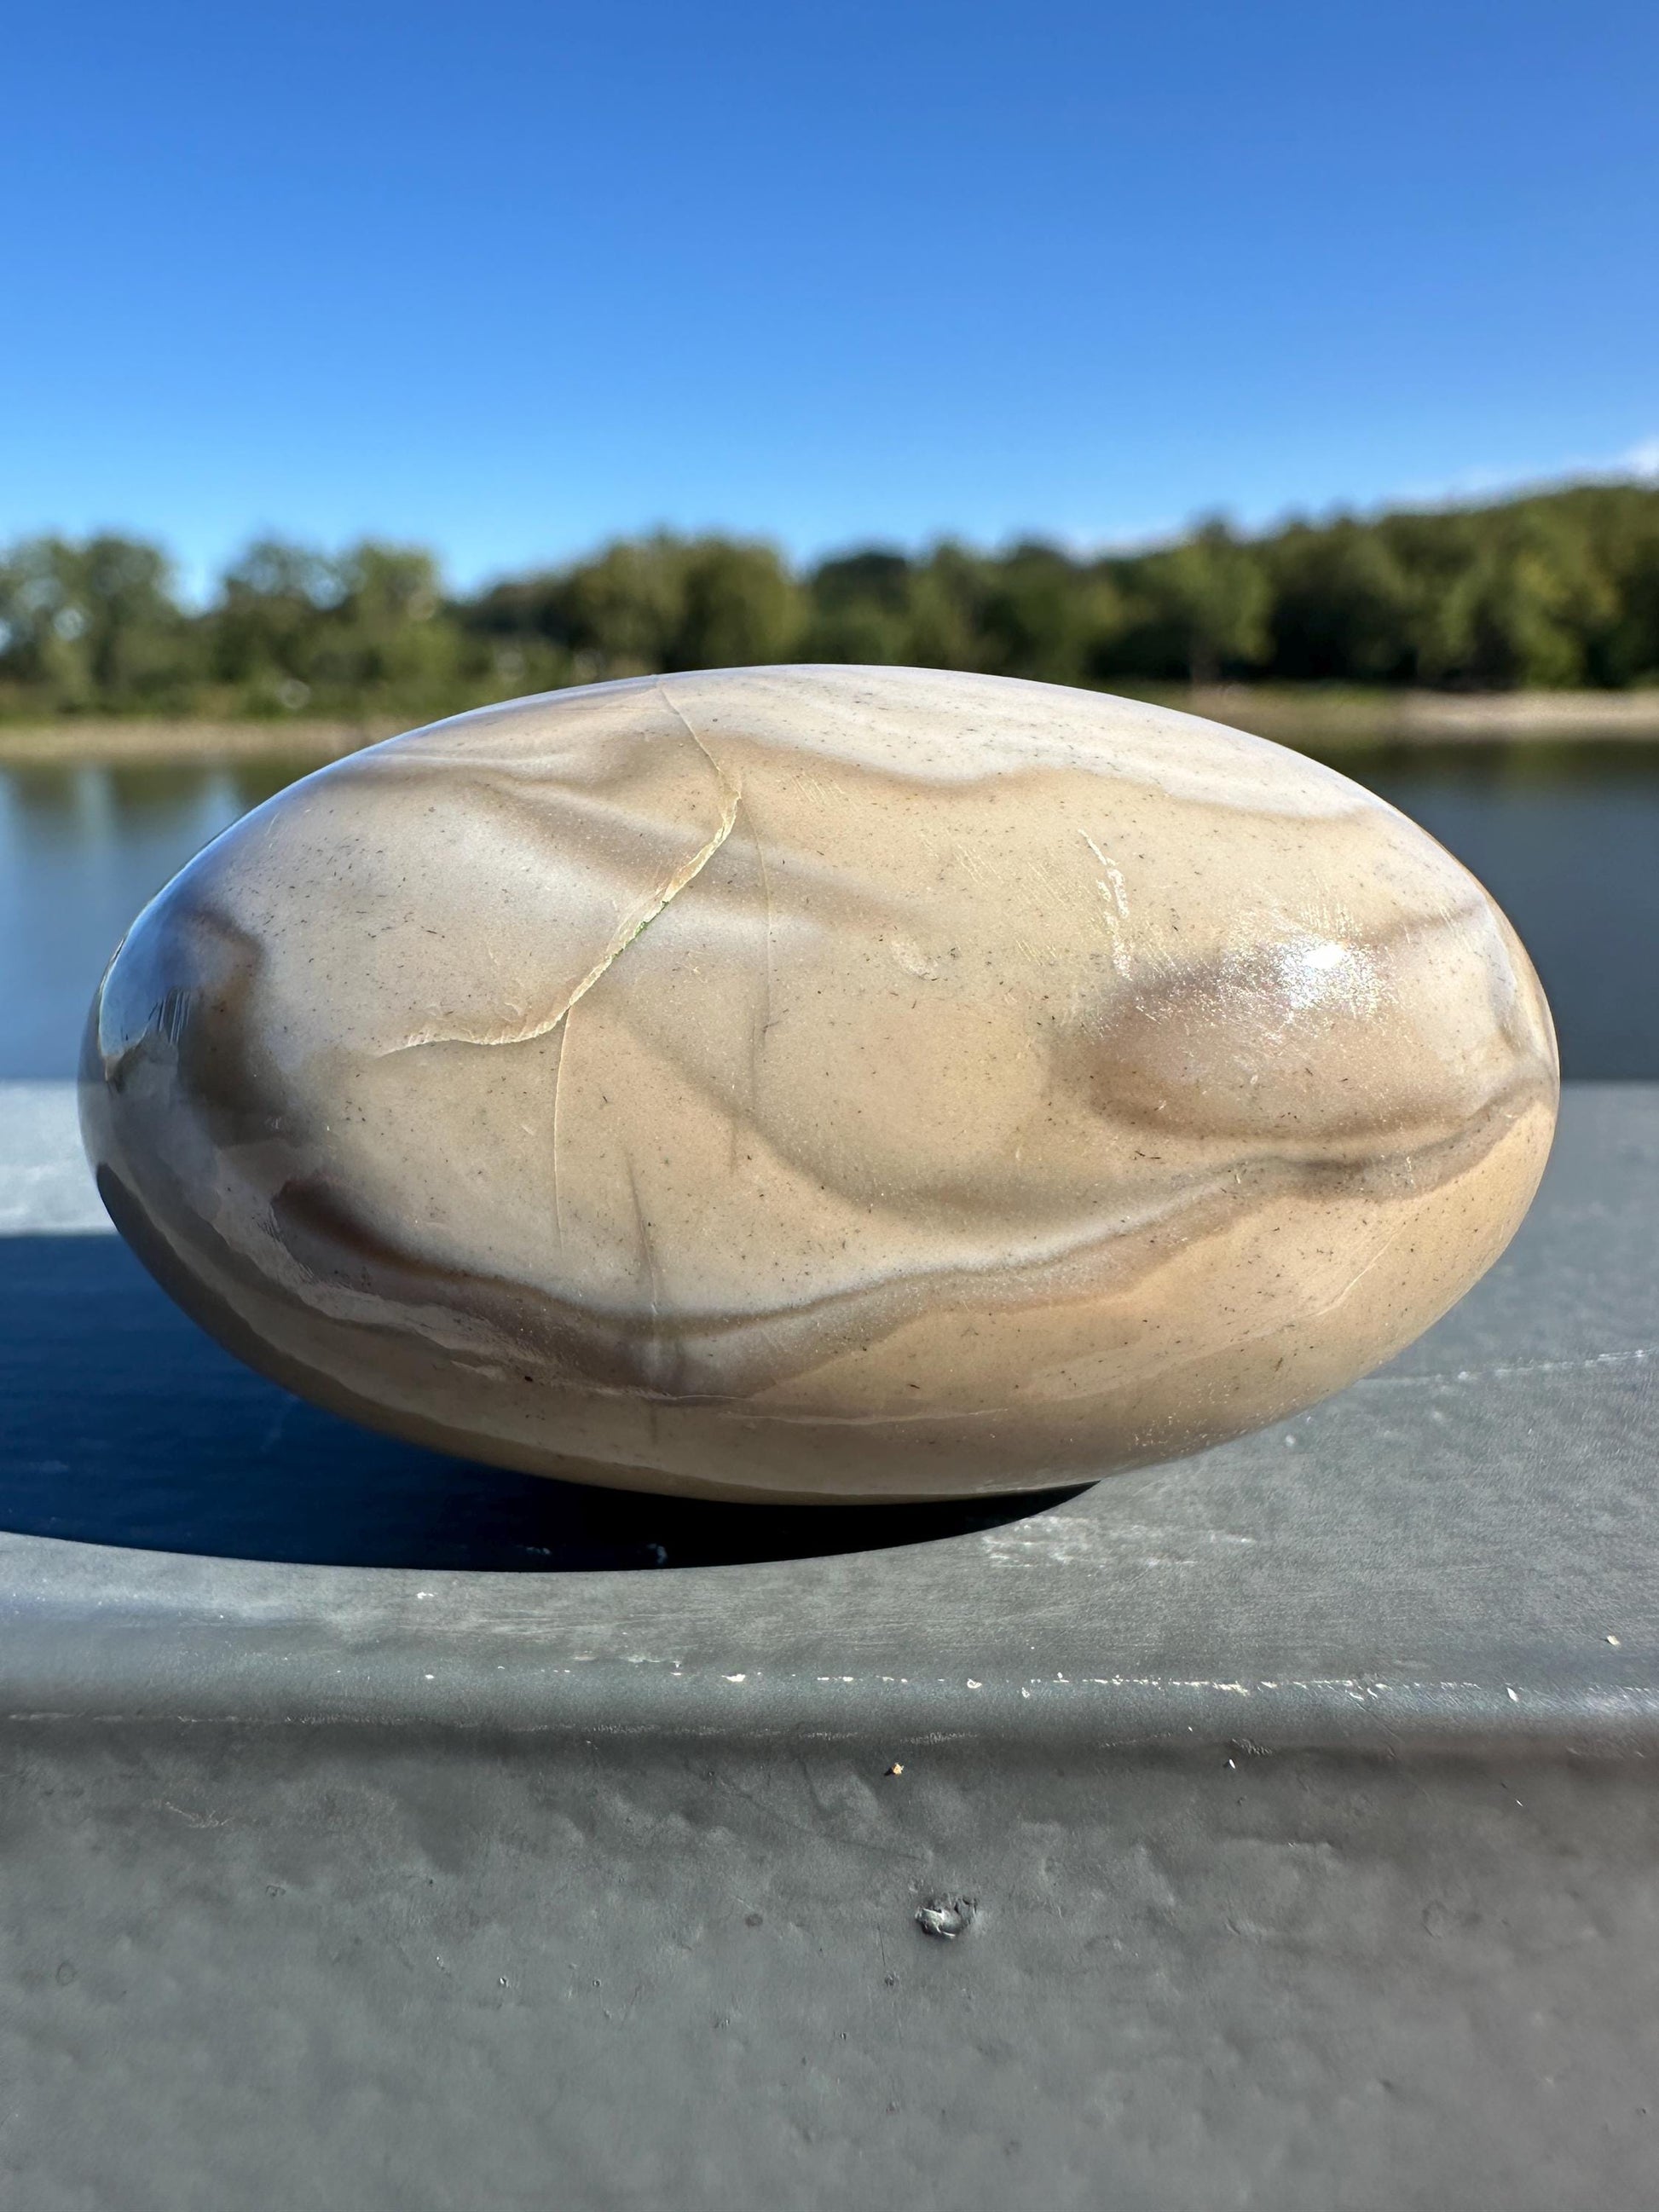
{"x": 820, "y": 1083}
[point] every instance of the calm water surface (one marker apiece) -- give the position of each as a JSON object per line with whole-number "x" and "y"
{"x": 1566, "y": 837}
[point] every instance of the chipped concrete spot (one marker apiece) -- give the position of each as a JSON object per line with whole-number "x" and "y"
{"x": 1589, "y": 1366}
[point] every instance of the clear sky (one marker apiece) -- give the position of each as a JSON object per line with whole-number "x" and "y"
{"x": 508, "y": 279}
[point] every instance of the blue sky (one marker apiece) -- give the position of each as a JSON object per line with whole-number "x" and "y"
{"x": 508, "y": 280}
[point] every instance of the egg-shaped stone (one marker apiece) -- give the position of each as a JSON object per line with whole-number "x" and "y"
{"x": 820, "y": 1084}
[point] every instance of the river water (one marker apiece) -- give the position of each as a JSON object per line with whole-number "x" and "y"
{"x": 1565, "y": 837}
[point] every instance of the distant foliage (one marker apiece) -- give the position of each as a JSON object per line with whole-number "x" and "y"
{"x": 1557, "y": 589}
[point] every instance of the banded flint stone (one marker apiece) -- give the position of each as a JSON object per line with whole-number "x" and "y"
{"x": 820, "y": 1083}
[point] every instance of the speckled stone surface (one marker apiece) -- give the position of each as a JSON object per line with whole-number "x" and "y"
{"x": 837, "y": 1082}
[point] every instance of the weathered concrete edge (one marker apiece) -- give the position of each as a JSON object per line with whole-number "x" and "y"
{"x": 69, "y": 1671}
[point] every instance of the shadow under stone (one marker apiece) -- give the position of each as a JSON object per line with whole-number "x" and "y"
{"x": 121, "y": 1423}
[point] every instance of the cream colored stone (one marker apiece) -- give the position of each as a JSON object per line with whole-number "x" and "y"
{"x": 820, "y": 1083}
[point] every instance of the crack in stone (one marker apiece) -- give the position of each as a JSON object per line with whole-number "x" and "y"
{"x": 558, "y": 1078}
{"x": 527, "y": 1032}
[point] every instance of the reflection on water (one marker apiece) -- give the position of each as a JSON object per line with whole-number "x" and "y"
{"x": 82, "y": 849}
{"x": 1565, "y": 837}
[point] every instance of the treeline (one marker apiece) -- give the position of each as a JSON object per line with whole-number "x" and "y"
{"x": 1555, "y": 589}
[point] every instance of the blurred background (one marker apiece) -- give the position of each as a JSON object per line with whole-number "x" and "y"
{"x": 1290, "y": 363}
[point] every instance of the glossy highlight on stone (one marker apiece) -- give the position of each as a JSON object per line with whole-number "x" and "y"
{"x": 820, "y": 1084}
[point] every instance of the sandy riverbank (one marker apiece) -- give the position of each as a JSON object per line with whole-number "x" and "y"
{"x": 104, "y": 740}
{"x": 1323, "y": 721}
{"x": 1333, "y": 717}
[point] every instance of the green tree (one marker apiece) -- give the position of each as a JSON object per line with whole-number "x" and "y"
{"x": 1210, "y": 597}
{"x": 389, "y": 638}
{"x": 1553, "y": 588}
{"x": 95, "y": 626}
{"x": 1043, "y": 614}
{"x": 1342, "y": 605}
{"x": 739, "y": 607}
{"x": 267, "y": 628}
{"x": 858, "y": 608}
{"x": 1522, "y": 612}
